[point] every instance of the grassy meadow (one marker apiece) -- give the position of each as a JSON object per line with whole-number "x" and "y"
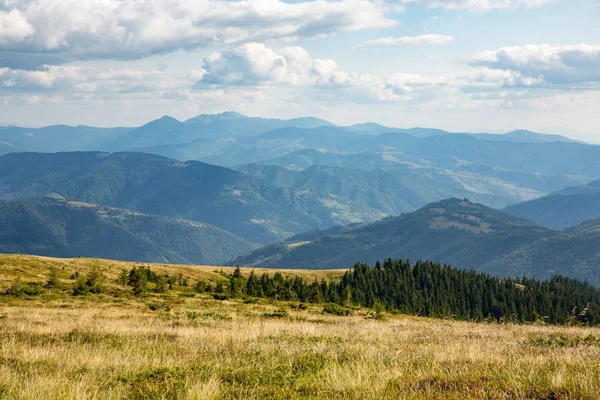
{"x": 186, "y": 345}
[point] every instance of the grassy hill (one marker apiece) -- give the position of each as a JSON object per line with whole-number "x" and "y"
{"x": 564, "y": 208}
{"x": 55, "y": 227}
{"x": 454, "y": 231}
{"x": 186, "y": 345}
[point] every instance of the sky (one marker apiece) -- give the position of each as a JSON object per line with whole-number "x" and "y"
{"x": 460, "y": 65}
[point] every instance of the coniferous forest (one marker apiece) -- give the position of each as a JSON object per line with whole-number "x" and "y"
{"x": 431, "y": 289}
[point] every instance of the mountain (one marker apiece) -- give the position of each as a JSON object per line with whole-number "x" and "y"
{"x": 574, "y": 253}
{"x": 161, "y": 132}
{"x": 390, "y": 191}
{"x": 59, "y": 228}
{"x": 564, "y": 208}
{"x": 248, "y": 207}
{"x": 524, "y": 136}
{"x": 464, "y": 234}
{"x": 232, "y": 152}
{"x": 554, "y": 158}
{"x": 482, "y": 183}
{"x": 56, "y": 138}
{"x": 232, "y": 124}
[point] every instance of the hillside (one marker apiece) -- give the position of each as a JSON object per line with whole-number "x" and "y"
{"x": 574, "y": 253}
{"x": 564, "y": 208}
{"x": 483, "y": 183}
{"x": 390, "y": 191}
{"x": 247, "y": 207}
{"x": 458, "y": 232}
{"x": 185, "y": 344}
{"x": 55, "y": 227}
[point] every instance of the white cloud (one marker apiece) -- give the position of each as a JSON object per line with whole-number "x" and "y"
{"x": 431, "y": 39}
{"x": 477, "y": 5}
{"x": 548, "y": 64}
{"x": 37, "y": 32}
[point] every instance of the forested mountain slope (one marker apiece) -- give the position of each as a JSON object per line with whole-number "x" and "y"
{"x": 454, "y": 231}
{"x": 245, "y": 206}
{"x": 52, "y": 226}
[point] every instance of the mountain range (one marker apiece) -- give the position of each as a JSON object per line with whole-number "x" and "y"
{"x": 238, "y": 203}
{"x": 316, "y": 195}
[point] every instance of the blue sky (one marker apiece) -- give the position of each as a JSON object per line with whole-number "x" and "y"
{"x": 461, "y": 65}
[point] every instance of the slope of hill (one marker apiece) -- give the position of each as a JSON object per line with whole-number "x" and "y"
{"x": 55, "y": 227}
{"x": 393, "y": 192}
{"x": 454, "y": 231}
{"x": 574, "y": 253}
{"x": 487, "y": 184}
{"x": 564, "y": 208}
{"x": 235, "y": 202}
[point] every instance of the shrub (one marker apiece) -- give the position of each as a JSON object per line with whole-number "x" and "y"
{"x": 336, "y": 309}
{"x": 93, "y": 283}
{"x": 279, "y": 313}
{"x": 53, "y": 282}
{"x": 159, "y": 306}
{"x": 16, "y": 288}
{"x": 221, "y": 296}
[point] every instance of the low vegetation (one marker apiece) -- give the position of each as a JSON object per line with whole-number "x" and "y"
{"x": 153, "y": 332}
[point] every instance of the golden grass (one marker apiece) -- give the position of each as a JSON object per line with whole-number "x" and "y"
{"x": 35, "y": 268}
{"x": 106, "y": 347}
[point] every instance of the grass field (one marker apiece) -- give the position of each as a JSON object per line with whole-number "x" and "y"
{"x": 181, "y": 345}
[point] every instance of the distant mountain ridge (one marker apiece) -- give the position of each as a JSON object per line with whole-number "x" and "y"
{"x": 168, "y": 131}
{"x": 564, "y": 208}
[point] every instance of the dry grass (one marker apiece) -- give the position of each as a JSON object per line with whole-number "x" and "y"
{"x": 106, "y": 347}
{"x": 35, "y": 268}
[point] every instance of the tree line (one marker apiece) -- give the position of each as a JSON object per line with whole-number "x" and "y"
{"x": 431, "y": 289}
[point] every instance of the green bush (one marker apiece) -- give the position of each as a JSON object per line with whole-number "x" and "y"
{"x": 336, "y": 309}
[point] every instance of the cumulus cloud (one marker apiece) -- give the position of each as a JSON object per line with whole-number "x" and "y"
{"x": 430, "y": 39}
{"x": 76, "y": 82}
{"x": 547, "y": 64}
{"x": 477, "y": 5}
{"x": 37, "y": 32}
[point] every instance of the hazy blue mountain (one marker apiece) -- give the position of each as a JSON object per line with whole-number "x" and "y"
{"x": 564, "y": 208}
{"x": 248, "y": 207}
{"x": 454, "y": 231}
{"x": 555, "y": 158}
{"x": 390, "y": 191}
{"x": 525, "y": 136}
{"x": 56, "y": 138}
{"x": 166, "y": 131}
{"x": 231, "y": 152}
{"x": 484, "y": 183}
{"x": 231, "y": 124}
{"x": 55, "y": 227}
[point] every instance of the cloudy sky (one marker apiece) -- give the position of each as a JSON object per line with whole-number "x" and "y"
{"x": 462, "y": 65}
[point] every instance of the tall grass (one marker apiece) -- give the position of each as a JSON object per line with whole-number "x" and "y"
{"x": 170, "y": 346}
